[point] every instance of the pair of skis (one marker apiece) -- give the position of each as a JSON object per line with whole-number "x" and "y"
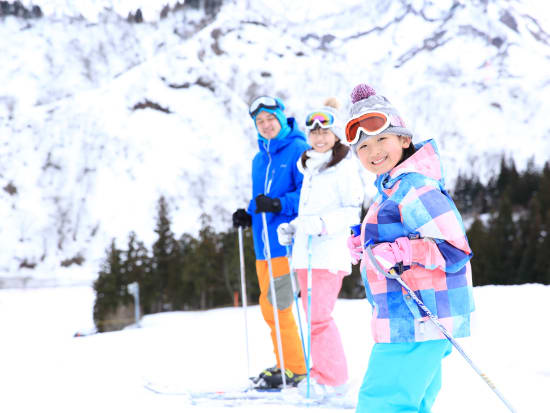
{"x": 249, "y": 396}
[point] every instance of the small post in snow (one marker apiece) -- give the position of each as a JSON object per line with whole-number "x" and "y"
{"x": 133, "y": 289}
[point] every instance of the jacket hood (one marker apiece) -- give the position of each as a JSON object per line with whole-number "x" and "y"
{"x": 425, "y": 161}
{"x": 276, "y": 144}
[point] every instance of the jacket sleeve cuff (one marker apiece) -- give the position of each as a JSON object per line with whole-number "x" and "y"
{"x": 424, "y": 252}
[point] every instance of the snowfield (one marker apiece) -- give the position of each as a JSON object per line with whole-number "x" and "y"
{"x": 45, "y": 367}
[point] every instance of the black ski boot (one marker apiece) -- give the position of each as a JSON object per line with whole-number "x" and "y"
{"x": 267, "y": 376}
{"x": 272, "y": 379}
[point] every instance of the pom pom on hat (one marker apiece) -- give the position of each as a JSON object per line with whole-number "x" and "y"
{"x": 332, "y": 102}
{"x": 361, "y": 91}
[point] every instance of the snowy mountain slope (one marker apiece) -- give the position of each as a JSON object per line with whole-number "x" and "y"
{"x": 100, "y": 117}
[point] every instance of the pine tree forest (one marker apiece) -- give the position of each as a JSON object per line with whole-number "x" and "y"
{"x": 507, "y": 220}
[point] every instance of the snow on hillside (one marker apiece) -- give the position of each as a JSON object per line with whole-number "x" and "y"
{"x": 99, "y": 117}
{"x": 45, "y": 366}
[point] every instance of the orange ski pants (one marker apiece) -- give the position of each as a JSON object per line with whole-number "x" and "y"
{"x": 290, "y": 338}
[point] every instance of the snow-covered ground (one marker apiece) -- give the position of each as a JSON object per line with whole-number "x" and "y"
{"x": 44, "y": 367}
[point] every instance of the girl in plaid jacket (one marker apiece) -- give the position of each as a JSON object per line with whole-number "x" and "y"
{"x": 414, "y": 229}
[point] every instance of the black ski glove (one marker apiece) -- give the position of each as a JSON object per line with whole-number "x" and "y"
{"x": 241, "y": 218}
{"x": 267, "y": 204}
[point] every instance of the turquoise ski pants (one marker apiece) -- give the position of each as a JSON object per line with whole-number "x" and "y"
{"x": 403, "y": 377}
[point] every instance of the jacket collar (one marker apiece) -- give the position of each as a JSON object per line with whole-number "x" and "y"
{"x": 425, "y": 161}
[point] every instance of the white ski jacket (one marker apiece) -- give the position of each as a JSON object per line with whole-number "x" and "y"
{"x": 336, "y": 195}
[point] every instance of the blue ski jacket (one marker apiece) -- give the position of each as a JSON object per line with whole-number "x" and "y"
{"x": 275, "y": 174}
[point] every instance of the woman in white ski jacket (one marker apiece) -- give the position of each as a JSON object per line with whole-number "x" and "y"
{"x": 330, "y": 202}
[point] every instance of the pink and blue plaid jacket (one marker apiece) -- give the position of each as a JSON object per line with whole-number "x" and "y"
{"x": 412, "y": 201}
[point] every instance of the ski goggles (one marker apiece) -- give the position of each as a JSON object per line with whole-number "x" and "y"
{"x": 319, "y": 118}
{"x": 371, "y": 123}
{"x": 263, "y": 102}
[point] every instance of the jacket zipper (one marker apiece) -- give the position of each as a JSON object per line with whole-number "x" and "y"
{"x": 267, "y": 183}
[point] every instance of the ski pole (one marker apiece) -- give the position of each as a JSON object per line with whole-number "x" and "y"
{"x": 423, "y": 307}
{"x": 274, "y": 300}
{"x": 295, "y": 292}
{"x": 309, "y": 277}
{"x": 244, "y": 299}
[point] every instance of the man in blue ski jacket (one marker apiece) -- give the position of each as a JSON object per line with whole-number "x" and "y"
{"x": 276, "y": 184}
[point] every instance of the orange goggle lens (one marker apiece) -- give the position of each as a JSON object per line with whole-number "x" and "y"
{"x": 371, "y": 123}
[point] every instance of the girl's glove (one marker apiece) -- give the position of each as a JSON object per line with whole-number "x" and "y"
{"x": 393, "y": 255}
{"x": 355, "y": 249}
{"x": 285, "y": 232}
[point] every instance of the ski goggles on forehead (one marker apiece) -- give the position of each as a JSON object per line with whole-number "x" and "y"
{"x": 266, "y": 102}
{"x": 371, "y": 123}
{"x": 322, "y": 119}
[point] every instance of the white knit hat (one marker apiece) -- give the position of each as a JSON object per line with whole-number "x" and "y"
{"x": 364, "y": 99}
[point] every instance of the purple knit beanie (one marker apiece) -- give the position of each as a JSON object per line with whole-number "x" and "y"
{"x": 364, "y": 99}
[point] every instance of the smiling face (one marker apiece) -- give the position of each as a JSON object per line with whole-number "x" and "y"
{"x": 322, "y": 140}
{"x": 379, "y": 154}
{"x": 267, "y": 124}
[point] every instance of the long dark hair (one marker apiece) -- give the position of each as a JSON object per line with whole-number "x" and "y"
{"x": 339, "y": 152}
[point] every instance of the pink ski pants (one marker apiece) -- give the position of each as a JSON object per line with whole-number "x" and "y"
{"x": 329, "y": 361}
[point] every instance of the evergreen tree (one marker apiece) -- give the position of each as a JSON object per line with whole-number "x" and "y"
{"x": 230, "y": 258}
{"x": 530, "y": 233}
{"x": 138, "y": 268}
{"x": 544, "y": 189}
{"x": 212, "y": 284}
{"x": 501, "y": 237}
{"x": 230, "y": 255}
{"x": 491, "y": 195}
{"x": 526, "y": 185}
{"x": 252, "y": 285}
{"x": 542, "y": 259}
{"x": 109, "y": 288}
{"x": 203, "y": 269}
{"x": 165, "y": 260}
{"x": 186, "y": 247}
{"x": 469, "y": 195}
{"x": 176, "y": 286}
{"x": 478, "y": 240}
{"x": 508, "y": 177}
